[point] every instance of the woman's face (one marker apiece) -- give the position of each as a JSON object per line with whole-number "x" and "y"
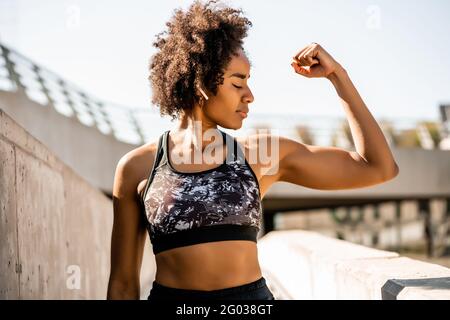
{"x": 229, "y": 107}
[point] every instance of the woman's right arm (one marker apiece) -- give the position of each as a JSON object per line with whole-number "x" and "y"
{"x": 128, "y": 234}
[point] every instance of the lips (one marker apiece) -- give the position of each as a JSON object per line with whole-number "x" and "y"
{"x": 242, "y": 114}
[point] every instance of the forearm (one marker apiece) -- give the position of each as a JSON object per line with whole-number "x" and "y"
{"x": 369, "y": 140}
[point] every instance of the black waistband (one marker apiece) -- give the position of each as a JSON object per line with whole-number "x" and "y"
{"x": 257, "y": 284}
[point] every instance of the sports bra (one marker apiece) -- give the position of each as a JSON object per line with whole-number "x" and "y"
{"x": 186, "y": 208}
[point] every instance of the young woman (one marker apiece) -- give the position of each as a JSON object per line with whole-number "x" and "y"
{"x": 203, "y": 216}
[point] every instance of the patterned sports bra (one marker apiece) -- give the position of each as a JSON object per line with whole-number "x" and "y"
{"x": 186, "y": 208}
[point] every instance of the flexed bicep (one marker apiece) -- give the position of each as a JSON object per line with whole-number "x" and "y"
{"x": 325, "y": 168}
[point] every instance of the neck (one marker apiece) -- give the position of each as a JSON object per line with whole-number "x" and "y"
{"x": 195, "y": 131}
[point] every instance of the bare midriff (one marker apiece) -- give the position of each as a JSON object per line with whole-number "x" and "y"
{"x": 209, "y": 266}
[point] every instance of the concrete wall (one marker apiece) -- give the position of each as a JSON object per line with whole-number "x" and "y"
{"x": 306, "y": 265}
{"x": 55, "y": 227}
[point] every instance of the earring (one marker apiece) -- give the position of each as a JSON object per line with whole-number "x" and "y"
{"x": 203, "y": 93}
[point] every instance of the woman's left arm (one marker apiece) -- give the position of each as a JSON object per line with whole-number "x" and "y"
{"x": 330, "y": 167}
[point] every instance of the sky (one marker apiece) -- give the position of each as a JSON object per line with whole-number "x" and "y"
{"x": 396, "y": 52}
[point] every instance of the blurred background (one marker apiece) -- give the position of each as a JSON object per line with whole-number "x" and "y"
{"x": 73, "y": 74}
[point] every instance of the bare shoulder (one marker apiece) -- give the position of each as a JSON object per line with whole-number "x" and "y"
{"x": 256, "y": 139}
{"x": 244, "y": 141}
{"x": 260, "y": 145}
{"x": 262, "y": 151}
{"x": 134, "y": 167}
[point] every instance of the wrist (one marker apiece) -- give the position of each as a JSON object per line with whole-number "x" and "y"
{"x": 337, "y": 74}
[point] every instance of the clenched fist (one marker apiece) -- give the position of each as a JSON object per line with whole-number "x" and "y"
{"x": 314, "y": 62}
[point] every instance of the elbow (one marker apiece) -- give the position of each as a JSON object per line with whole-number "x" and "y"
{"x": 391, "y": 173}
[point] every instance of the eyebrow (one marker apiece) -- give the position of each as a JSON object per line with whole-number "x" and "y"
{"x": 239, "y": 75}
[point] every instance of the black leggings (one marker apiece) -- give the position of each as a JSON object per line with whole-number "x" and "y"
{"x": 256, "y": 290}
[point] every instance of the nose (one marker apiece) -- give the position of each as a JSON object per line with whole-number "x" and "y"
{"x": 249, "y": 98}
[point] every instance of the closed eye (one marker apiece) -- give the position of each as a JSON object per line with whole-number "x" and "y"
{"x": 237, "y": 86}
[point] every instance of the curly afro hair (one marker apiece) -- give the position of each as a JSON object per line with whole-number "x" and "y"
{"x": 199, "y": 45}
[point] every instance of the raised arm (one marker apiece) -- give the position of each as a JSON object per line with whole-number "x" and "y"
{"x": 330, "y": 167}
{"x": 128, "y": 234}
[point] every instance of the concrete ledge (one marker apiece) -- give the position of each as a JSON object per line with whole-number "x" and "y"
{"x": 306, "y": 265}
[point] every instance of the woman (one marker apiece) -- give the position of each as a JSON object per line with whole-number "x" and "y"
{"x": 203, "y": 217}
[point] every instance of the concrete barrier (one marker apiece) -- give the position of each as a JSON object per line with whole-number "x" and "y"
{"x": 55, "y": 228}
{"x": 307, "y": 265}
